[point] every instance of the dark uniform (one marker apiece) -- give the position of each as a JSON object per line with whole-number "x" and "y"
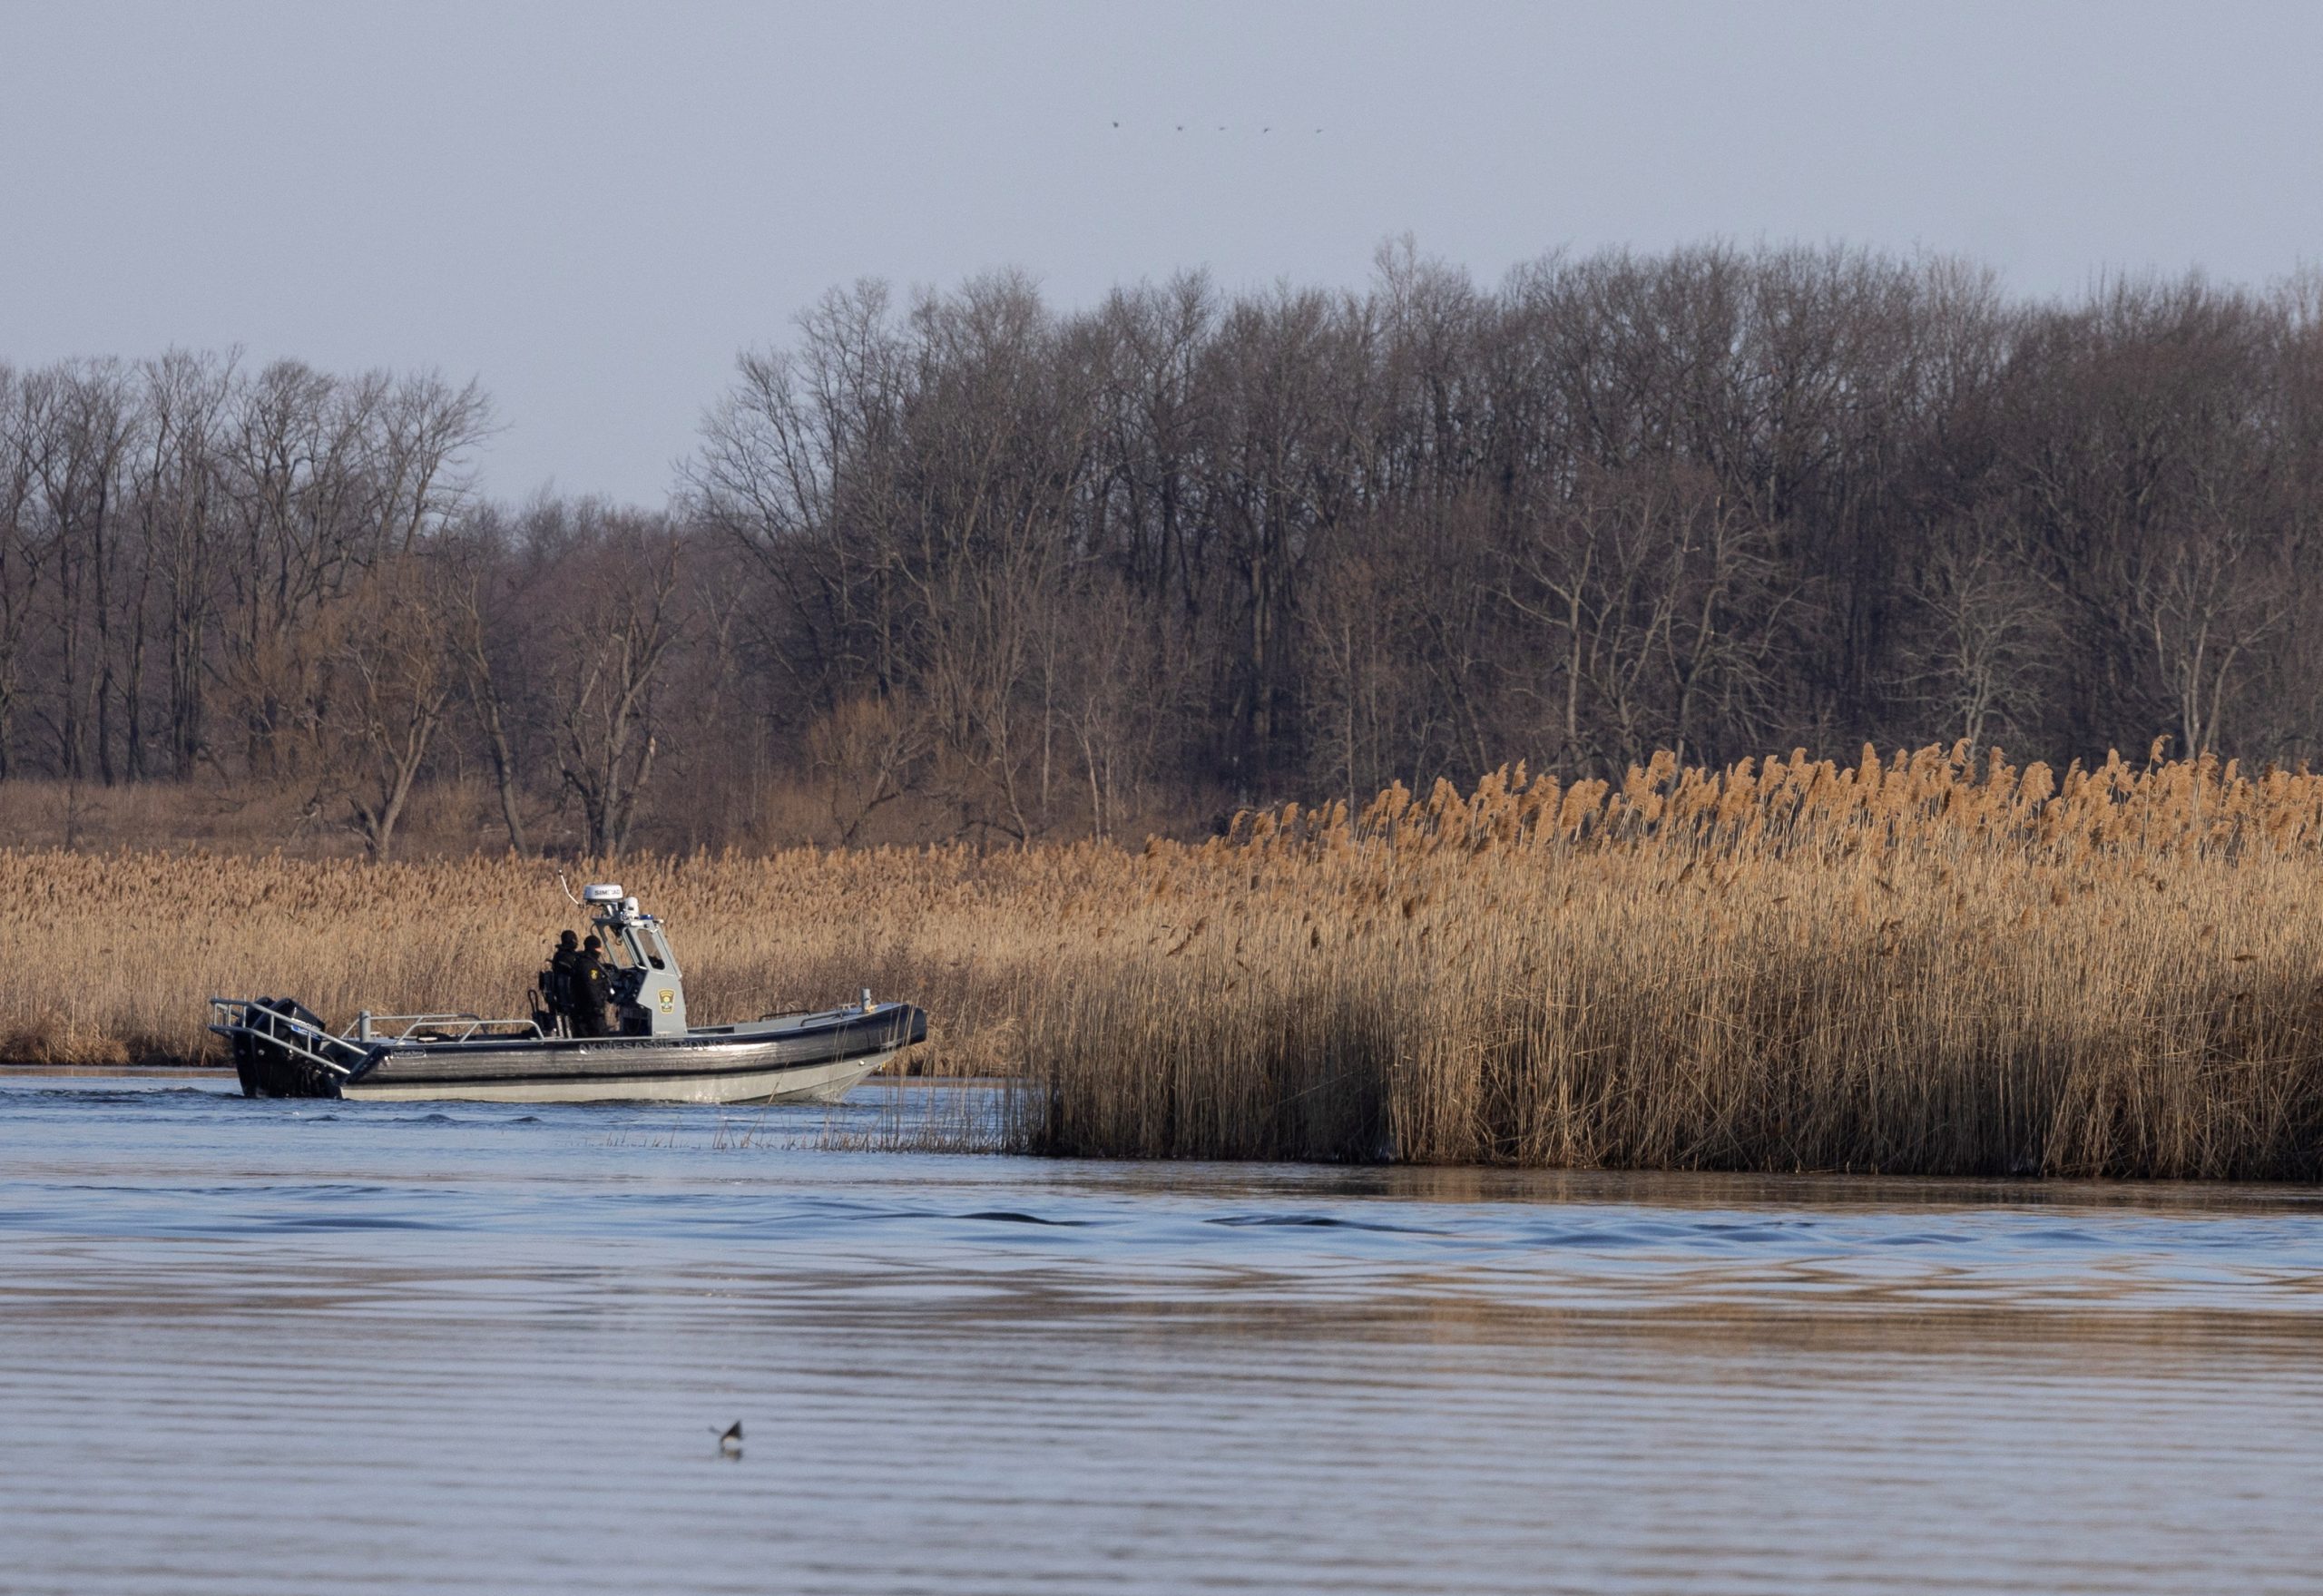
{"x": 562, "y": 987}
{"x": 590, "y": 986}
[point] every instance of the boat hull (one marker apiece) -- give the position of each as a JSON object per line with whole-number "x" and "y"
{"x": 803, "y": 1058}
{"x": 781, "y": 1084}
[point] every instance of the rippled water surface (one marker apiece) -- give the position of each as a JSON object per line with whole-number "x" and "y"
{"x": 267, "y": 1346}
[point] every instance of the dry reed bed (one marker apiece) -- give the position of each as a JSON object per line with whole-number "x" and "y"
{"x": 1924, "y": 964}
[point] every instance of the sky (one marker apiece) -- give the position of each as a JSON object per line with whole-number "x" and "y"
{"x": 593, "y": 207}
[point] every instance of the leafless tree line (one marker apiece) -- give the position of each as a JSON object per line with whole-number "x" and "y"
{"x": 281, "y": 578}
{"x": 968, "y": 564}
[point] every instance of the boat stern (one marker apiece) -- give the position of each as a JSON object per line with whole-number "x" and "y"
{"x": 280, "y": 1048}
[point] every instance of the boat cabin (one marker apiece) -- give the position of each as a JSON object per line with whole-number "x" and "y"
{"x": 649, "y": 990}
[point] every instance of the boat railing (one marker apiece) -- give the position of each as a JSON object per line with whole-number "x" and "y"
{"x": 461, "y": 1027}
{"x": 286, "y": 1025}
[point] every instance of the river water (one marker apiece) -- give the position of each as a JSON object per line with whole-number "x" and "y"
{"x": 297, "y": 1346}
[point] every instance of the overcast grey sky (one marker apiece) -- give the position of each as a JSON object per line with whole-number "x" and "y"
{"x": 593, "y": 207}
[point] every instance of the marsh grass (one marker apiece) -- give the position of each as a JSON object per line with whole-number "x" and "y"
{"x": 1923, "y": 963}
{"x": 927, "y": 1114}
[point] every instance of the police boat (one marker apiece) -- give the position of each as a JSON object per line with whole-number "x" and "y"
{"x": 282, "y": 1049}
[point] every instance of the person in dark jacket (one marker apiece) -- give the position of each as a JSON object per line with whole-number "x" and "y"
{"x": 590, "y": 986}
{"x": 561, "y": 990}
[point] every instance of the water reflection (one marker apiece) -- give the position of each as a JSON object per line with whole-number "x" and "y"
{"x": 276, "y": 1346}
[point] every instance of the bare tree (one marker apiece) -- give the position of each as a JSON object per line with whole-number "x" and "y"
{"x": 394, "y": 672}
{"x": 23, "y": 547}
{"x": 179, "y": 497}
{"x": 327, "y": 478}
{"x": 621, "y": 623}
{"x": 2207, "y": 598}
{"x": 1974, "y": 661}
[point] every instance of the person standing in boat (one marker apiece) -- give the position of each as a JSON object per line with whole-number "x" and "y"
{"x": 590, "y": 987}
{"x": 562, "y": 989}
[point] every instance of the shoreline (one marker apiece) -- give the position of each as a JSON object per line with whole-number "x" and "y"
{"x": 203, "y": 1071}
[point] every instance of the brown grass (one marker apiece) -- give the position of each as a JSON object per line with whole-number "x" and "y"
{"x": 1926, "y": 963}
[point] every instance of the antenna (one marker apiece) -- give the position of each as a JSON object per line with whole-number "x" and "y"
{"x": 567, "y": 890}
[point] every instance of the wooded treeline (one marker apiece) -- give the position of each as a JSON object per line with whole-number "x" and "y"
{"x": 969, "y": 564}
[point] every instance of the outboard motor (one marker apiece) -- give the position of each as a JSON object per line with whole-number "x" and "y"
{"x": 282, "y": 1049}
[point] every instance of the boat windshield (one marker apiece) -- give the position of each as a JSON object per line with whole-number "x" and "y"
{"x": 631, "y": 946}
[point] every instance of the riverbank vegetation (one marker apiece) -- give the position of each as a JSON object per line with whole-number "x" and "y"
{"x": 1927, "y": 964}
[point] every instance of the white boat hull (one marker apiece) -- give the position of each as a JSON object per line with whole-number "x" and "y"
{"x": 813, "y": 1084}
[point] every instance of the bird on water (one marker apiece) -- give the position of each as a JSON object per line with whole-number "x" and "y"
{"x": 730, "y": 1439}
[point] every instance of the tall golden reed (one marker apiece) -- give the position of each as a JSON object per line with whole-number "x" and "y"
{"x": 1925, "y": 962}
